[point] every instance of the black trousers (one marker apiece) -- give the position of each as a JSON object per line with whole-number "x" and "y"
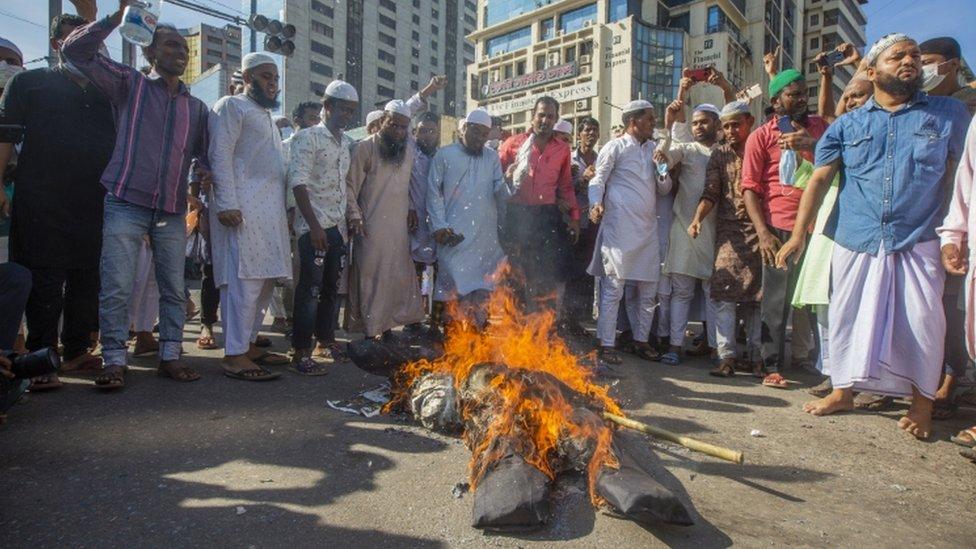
{"x": 15, "y": 285}
{"x": 73, "y": 292}
{"x": 209, "y": 297}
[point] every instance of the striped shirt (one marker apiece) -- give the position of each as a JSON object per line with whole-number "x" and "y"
{"x": 158, "y": 133}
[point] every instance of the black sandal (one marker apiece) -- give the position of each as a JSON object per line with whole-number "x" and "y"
{"x": 646, "y": 352}
{"x": 725, "y": 368}
{"x": 609, "y": 355}
{"x": 113, "y": 378}
{"x": 253, "y": 374}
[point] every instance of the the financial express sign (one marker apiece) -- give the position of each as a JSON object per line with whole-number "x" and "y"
{"x": 544, "y": 76}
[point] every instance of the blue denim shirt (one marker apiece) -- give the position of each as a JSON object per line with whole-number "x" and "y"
{"x": 894, "y": 183}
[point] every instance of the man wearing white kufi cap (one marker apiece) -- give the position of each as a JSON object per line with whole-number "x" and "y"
{"x": 320, "y": 158}
{"x": 623, "y": 199}
{"x": 690, "y": 261}
{"x": 466, "y": 185}
{"x": 383, "y": 288}
{"x": 248, "y": 225}
{"x": 564, "y": 130}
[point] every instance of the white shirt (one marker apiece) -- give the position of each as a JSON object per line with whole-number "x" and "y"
{"x": 688, "y": 256}
{"x": 319, "y": 162}
{"x": 249, "y": 176}
{"x": 627, "y": 185}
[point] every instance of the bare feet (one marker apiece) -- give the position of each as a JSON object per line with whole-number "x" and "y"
{"x": 918, "y": 421}
{"x": 840, "y": 400}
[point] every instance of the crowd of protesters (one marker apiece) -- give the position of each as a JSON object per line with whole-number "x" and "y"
{"x": 834, "y": 242}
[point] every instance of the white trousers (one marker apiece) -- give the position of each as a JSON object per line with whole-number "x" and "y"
{"x": 663, "y": 312}
{"x": 682, "y": 295}
{"x": 144, "y": 303}
{"x": 242, "y": 306}
{"x": 640, "y": 308}
{"x": 725, "y": 329}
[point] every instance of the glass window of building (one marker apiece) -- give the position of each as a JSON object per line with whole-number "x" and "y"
{"x": 319, "y": 7}
{"x": 386, "y": 56}
{"x": 416, "y": 19}
{"x": 387, "y": 39}
{"x": 387, "y": 74}
{"x": 586, "y": 48}
{"x": 658, "y": 59}
{"x": 512, "y": 41}
{"x": 540, "y": 62}
{"x": 319, "y": 68}
{"x": 815, "y": 44}
{"x": 497, "y": 11}
{"x": 388, "y": 21}
{"x": 616, "y": 10}
{"x": 389, "y": 4}
{"x": 318, "y": 47}
{"x": 384, "y": 92}
{"x": 547, "y": 29}
{"x": 570, "y": 54}
{"x": 574, "y": 20}
{"x": 414, "y": 69}
{"x": 519, "y": 68}
{"x": 814, "y": 19}
{"x": 681, "y": 21}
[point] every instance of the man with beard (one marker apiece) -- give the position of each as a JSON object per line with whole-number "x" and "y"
{"x": 146, "y": 183}
{"x": 690, "y": 260}
{"x": 320, "y": 158}
{"x": 383, "y": 289}
{"x": 623, "y": 195}
{"x": 465, "y": 186}
{"x": 56, "y": 229}
{"x": 887, "y": 324}
{"x": 772, "y": 201}
{"x": 248, "y": 226}
{"x": 427, "y": 137}
{"x": 736, "y": 280}
{"x": 579, "y": 287}
{"x": 535, "y": 236}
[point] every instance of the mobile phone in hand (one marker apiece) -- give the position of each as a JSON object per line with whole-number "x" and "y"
{"x": 831, "y": 59}
{"x": 785, "y": 124}
{"x": 699, "y": 75}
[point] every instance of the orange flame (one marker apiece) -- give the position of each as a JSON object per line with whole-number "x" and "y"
{"x": 533, "y": 413}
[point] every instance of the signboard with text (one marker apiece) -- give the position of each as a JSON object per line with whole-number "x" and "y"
{"x": 563, "y": 95}
{"x": 544, "y": 76}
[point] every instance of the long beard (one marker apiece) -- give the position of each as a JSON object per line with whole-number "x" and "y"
{"x": 259, "y": 97}
{"x": 892, "y": 85}
{"x": 429, "y": 150}
{"x": 390, "y": 148}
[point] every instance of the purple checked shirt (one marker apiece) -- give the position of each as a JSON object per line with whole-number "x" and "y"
{"x": 157, "y": 133}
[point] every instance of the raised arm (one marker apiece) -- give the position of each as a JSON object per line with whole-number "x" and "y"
{"x": 825, "y": 98}
{"x": 81, "y": 49}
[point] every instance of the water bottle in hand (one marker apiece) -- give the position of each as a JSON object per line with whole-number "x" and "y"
{"x": 139, "y": 21}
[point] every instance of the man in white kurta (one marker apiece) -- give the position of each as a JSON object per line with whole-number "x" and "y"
{"x": 465, "y": 186}
{"x": 623, "y": 197}
{"x": 249, "y": 229}
{"x": 689, "y": 260}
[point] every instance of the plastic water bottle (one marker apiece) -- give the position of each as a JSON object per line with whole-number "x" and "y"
{"x": 662, "y": 169}
{"x": 139, "y": 21}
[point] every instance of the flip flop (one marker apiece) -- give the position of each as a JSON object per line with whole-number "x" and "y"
{"x": 45, "y": 383}
{"x": 253, "y": 374}
{"x": 608, "y": 355}
{"x": 671, "y": 358}
{"x": 207, "y": 343}
{"x": 775, "y": 381}
{"x": 271, "y": 359}
{"x": 262, "y": 341}
{"x": 646, "y": 352}
{"x": 308, "y": 367}
{"x": 725, "y": 368}
{"x": 181, "y": 372}
{"x": 112, "y": 380}
{"x": 966, "y": 437}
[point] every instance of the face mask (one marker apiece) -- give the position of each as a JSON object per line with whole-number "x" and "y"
{"x": 931, "y": 77}
{"x": 7, "y": 72}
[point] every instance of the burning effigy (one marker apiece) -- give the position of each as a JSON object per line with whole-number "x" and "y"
{"x": 527, "y": 408}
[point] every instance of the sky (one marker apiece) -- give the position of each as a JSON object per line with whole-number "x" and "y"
{"x": 24, "y": 21}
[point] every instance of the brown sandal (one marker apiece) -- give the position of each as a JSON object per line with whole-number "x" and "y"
{"x": 177, "y": 371}
{"x": 207, "y": 343}
{"x": 725, "y": 368}
{"x": 112, "y": 379}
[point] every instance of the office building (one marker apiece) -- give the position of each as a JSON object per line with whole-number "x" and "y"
{"x": 209, "y": 47}
{"x": 828, "y": 24}
{"x": 212, "y": 84}
{"x": 594, "y": 56}
{"x": 387, "y": 49}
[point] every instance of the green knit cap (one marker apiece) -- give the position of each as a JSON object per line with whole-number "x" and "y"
{"x": 782, "y": 80}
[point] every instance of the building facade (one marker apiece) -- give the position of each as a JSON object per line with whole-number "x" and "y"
{"x": 212, "y": 84}
{"x": 387, "y": 49}
{"x": 211, "y": 46}
{"x": 828, "y": 24}
{"x": 596, "y": 55}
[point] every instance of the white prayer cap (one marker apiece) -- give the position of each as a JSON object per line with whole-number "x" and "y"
{"x": 707, "y": 107}
{"x": 882, "y": 44}
{"x": 340, "y": 89}
{"x": 479, "y": 116}
{"x": 255, "y": 59}
{"x": 637, "y": 105}
{"x": 4, "y": 43}
{"x": 734, "y": 108}
{"x": 563, "y": 126}
{"x": 398, "y": 106}
{"x": 373, "y": 116}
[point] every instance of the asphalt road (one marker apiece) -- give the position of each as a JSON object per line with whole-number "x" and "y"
{"x": 225, "y": 463}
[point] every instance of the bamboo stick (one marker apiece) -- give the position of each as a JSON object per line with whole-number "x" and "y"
{"x": 692, "y": 444}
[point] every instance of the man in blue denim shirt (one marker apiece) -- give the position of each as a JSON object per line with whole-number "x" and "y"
{"x": 896, "y": 156}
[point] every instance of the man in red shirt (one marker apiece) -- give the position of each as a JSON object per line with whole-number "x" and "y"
{"x": 772, "y": 204}
{"x": 534, "y": 233}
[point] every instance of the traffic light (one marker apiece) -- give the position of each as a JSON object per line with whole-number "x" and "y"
{"x": 278, "y": 35}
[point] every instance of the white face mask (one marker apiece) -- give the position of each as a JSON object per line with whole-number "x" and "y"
{"x": 931, "y": 77}
{"x": 7, "y": 72}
